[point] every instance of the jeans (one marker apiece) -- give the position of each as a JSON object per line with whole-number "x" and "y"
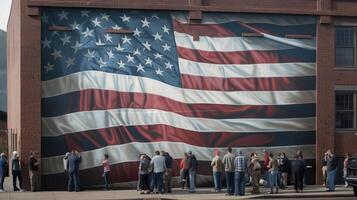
{"x": 2, "y": 179}
{"x": 217, "y": 181}
{"x": 273, "y": 179}
{"x": 192, "y": 177}
{"x": 331, "y": 175}
{"x": 230, "y": 182}
{"x": 157, "y": 181}
{"x": 16, "y": 174}
{"x": 184, "y": 178}
{"x": 239, "y": 183}
{"x": 73, "y": 179}
{"x": 106, "y": 180}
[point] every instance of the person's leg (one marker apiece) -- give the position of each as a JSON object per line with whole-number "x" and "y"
{"x": 275, "y": 179}
{"x": 344, "y": 176}
{"x": 2, "y": 178}
{"x": 19, "y": 176}
{"x": 14, "y": 176}
{"x": 160, "y": 182}
{"x": 227, "y": 181}
{"x": 236, "y": 183}
{"x": 333, "y": 179}
{"x": 192, "y": 180}
{"x": 240, "y": 183}
{"x": 215, "y": 181}
{"x": 165, "y": 182}
{"x": 31, "y": 176}
{"x": 285, "y": 179}
{"x": 219, "y": 182}
{"x": 271, "y": 184}
{"x": 232, "y": 182}
{"x": 70, "y": 181}
{"x": 169, "y": 172}
{"x": 324, "y": 176}
{"x": 106, "y": 180}
{"x": 243, "y": 183}
{"x": 76, "y": 182}
{"x": 301, "y": 181}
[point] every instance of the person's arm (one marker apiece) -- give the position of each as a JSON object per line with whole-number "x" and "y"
{"x": 213, "y": 162}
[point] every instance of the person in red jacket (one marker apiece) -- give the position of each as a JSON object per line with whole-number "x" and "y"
{"x": 265, "y": 167}
{"x": 184, "y": 171}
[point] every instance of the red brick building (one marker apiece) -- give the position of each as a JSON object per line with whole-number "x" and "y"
{"x": 336, "y": 82}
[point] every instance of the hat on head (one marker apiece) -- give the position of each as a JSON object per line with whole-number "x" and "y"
{"x": 190, "y": 152}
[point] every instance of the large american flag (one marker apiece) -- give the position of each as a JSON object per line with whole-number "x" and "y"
{"x": 174, "y": 86}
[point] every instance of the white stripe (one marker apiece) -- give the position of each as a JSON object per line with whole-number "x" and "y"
{"x": 309, "y": 44}
{"x": 246, "y": 70}
{"x": 129, "y": 153}
{"x": 229, "y": 44}
{"x": 99, "y": 119}
{"x": 282, "y": 20}
{"x": 124, "y": 83}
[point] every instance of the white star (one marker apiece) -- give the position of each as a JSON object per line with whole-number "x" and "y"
{"x": 137, "y": 52}
{"x": 75, "y": 26}
{"x": 55, "y": 33}
{"x": 88, "y": 32}
{"x": 140, "y": 68}
{"x": 110, "y": 54}
{"x": 158, "y": 56}
{"x": 125, "y": 18}
{"x": 56, "y": 54}
{"x": 168, "y": 65}
{"x": 157, "y": 36}
{"x": 90, "y": 54}
{"x": 105, "y": 16}
{"x": 130, "y": 58}
{"x": 66, "y": 39}
{"x": 70, "y": 61}
{"x": 85, "y": 13}
{"x": 148, "y": 61}
{"x": 48, "y": 67}
{"x": 44, "y": 18}
{"x": 108, "y": 37}
{"x": 126, "y": 40}
{"x": 99, "y": 43}
{"x": 137, "y": 32}
{"x": 102, "y": 63}
{"x": 145, "y": 22}
{"x": 166, "y": 47}
{"x": 166, "y": 30}
{"x": 63, "y": 15}
{"x": 119, "y": 48}
{"x": 147, "y": 45}
{"x": 96, "y": 22}
{"x": 46, "y": 43}
{"x": 121, "y": 64}
{"x": 159, "y": 71}
{"x": 116, "y": 27}
{"x": 77, "y": 47}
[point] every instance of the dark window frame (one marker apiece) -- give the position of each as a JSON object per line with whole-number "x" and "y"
{"x": 354, "y": 108}
{"x": 353, "y": 46}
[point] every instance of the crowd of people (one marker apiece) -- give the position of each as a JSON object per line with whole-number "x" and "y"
{"x": 155, "y": 174}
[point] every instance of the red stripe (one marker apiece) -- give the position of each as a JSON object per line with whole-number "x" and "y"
{"x": 247, "y": 84}
{"x": 211, "y": 30}
{"x": 95, "y": 99}
{"x": 237, "y": 57}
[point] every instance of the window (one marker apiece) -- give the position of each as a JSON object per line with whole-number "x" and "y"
{"x": 345, "y": 114}
{"x": 345, "y": 41}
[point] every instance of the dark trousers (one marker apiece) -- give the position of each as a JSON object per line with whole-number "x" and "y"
{"x": 230, "y": 182}
{"x": 184, "y": 176}
{"x": 239, "y": 183}
{"x": 298, "y": 180}
{"x": 2, "y": 179}
{"x": 157, "y": 182}
{"x": 144, "y": 181}
{"x": 73, "y": 179}
{"x": 16, "y": 175}
{"x": 106, "y": 180}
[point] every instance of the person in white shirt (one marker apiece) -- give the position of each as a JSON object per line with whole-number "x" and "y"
{"x": 158, "y": 164}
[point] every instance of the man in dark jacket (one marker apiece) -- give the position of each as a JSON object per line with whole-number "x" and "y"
{"x": 168, "y": 174}
{"x": 73, "y": 168}
{"x": 192, "y": 163}
{"x": 331, "y": 170}
{"x": 3, "y": 165}
{"x": 298, "y": 171}
{"x": 33, "y": 172}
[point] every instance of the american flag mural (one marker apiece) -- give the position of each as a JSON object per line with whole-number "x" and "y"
{"x": 166, "y": 84}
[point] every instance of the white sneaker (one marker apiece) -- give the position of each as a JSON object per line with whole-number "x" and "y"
{"x": 2, "y": 190}
{"x": 22, "y": 190}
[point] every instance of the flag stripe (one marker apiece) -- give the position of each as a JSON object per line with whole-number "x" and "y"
{"x": 247, "y": 57}
{"x": 248, "y": 84}
{"x": 93, "y": 139}
{"x": 129, "y": 152}
{"x": 96, "y": 99}
{"x": 82, "y": 121}
{"x": 247, "y": 71}
{"x": 125, "y": 83}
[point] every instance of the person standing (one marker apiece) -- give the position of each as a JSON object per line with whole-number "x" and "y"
{"x": 324, "y": 170}
{"x": 192, "y": 168}
{"x": 240, "y": 166}
{"x": 73, "y": 168}
{"x": 331, "y": 170}
{"x": 265, "y": 167}
{"x": 168, "y": 174}
{"x": 106, "y": 168}
{"x": 184, "y": 171}
{"x": 284, "y": 169}
{"x": 144, "y": 171}
{"x": 345, "y": 166}
{"x": 16, "y": 171}
{"x": 65, "y": 161}
{"x": 33, "y": 172}
{"x": 255, "y": 171}
{"x": 216, "y": 165}
{"x": 228, "y": 162}
{"x": 273, "y": 174}
{"x": 158, "y": 163}
{"x": 3, "y": 169}
{"x": 298, "y": 171}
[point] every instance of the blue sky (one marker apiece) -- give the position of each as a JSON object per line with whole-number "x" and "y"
{"x": 4, "y": 13}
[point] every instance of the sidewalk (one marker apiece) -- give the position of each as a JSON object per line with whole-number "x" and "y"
{"x": 202, "y": 193}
